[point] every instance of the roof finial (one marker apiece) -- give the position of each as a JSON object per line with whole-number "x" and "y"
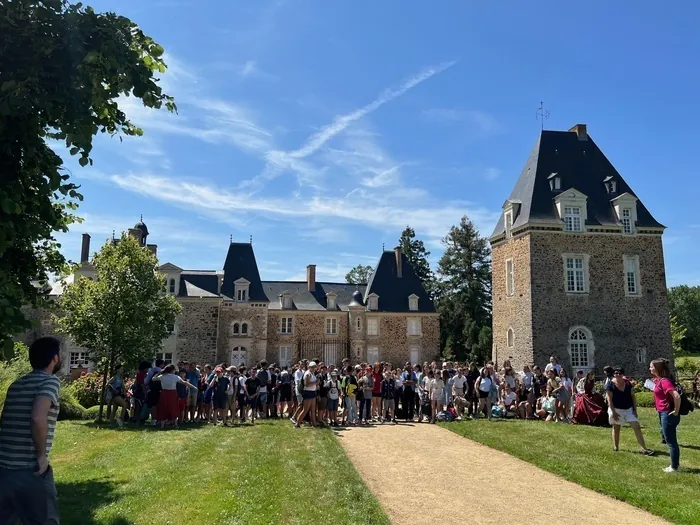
{"x": 541, "y": 114}
{"x": 382, "y": 246}
{"x": 251, "y": 239}
{"x": 113, "y": 234}
{"x": 230, "y": 238}
{"x": 142, "y": 217}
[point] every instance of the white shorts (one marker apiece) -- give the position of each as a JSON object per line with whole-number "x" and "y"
{"x": 625, "y": 417}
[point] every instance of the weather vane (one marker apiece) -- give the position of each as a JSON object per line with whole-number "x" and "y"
{"x": 541, "y": 114}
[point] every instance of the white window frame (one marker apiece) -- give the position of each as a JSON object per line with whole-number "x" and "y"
{"x": 627, "y": 223}
{"x": 171, "y": 286}
{"x": 510, "y": 277}
{"x": 374, "y": 350}
{"x": 330, "y": 301}
{"x": 575, "y": 346}
{"x": 573, "y": 219}
{"x": 81, "y": 358}
{"x": 285, "y": 349}
{"x": 413, "y": 359}
{"x": 508, "y": 221}
{"x": 241, "y": 290}
{"x": 510, "y": 338}
{"x": 623, "y": 205}
{"x": 642, "y": 355}
{"x": 413, "y": 302}
{"x": 413, "y": 326}
{"x": 163, "y": 355}
{"x": 631, "y": 262}
{"x": 373, "y": 302}
{"x": 236, "y": 328}
{"x": 584, "y": 273}
{"x": 331, "y": 326}
{"x": 372, "y": 326}
{"x": 286, "y": 325}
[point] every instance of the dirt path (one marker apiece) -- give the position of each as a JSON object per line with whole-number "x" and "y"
{"x": 446, "y": 470}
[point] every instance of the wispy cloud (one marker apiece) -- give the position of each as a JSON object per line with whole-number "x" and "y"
{"x": 481, "y": 122}
{"x": 341, "y": 122}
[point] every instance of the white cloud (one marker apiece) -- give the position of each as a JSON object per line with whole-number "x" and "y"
{"x": 249, "y": 68}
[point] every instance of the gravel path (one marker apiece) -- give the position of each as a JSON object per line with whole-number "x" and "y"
{"x": 423, "y": 474}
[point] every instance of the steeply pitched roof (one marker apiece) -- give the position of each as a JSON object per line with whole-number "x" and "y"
{"x": 581, "y": 165}
{"x": 302, "y": 299}
{"x": 393, "y": 291}
{"x": 240, "y": 263}
{"x": 197, "y": 283}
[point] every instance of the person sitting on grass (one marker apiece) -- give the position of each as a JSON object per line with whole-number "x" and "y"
{"x": 387, "y": 392}
{"x": 116, "y": 393}
{"x": 168, "y": 406}
{"x": 509, "y": 400}
{"x": 523, "y": 399}
{"x": 622, "y": 408}
{"x": 546, "y": 407}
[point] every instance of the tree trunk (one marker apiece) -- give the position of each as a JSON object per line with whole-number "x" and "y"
{"x": 108, "y": 367}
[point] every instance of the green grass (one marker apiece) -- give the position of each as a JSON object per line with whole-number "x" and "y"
{"x": 269, "y": 473}
{"x": 584, "y": 455}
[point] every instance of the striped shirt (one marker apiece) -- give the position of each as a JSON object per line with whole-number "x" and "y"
{"x": 16, "y": 444}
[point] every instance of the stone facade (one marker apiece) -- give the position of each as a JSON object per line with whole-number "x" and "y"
{"x": 196, "y": 330}
{"x": 623, "y": 330}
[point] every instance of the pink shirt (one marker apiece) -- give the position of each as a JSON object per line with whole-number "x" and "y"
{"x": 663, "y": 398}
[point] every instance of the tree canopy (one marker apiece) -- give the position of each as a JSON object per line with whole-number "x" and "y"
{"x": 359, "y": 274}
{"x": 62, "y": 69}
{"x": 464, "y": 302}
{"x": 417, "y": 255}
{"x": 684, "y": 303}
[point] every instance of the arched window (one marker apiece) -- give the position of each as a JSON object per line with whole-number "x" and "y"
{"x": 510, "y": 338}
{"x": 244, "y": 329}
{"x": 581, "y": 348}
{"x": 235, "y": 328}
{"x": 172, "y": 286}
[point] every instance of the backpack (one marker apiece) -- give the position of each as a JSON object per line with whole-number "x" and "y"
{"x": 686, "y": 405}
{"x": 497, "y": 411}
{"x": 444, "y": 416}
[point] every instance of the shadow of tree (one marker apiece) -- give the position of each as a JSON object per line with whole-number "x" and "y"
{"x": 78, "y": 502}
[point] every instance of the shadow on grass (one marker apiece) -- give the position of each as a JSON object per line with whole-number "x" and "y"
{"x": 135, "y": 427}
{"x": 78, "y": 502}
{"x": 691, "y": 447}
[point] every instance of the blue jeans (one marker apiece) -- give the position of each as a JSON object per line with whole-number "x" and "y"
{"x": 351, "y": 409}
{"x": 27, "y": 497}
{"x": 669, "y": 422}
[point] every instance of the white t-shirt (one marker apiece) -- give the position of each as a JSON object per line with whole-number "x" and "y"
{"x": 458, "y": 384}
{"x": 509, "y": 398}
{"x": 484, "y": 384}
{"x": 526, "y": 379}
{"x": 298, "y": 376}
{"x": 169, "y": 381}
{"x": 311, "y": 387}
{"x": 550, "y": 366}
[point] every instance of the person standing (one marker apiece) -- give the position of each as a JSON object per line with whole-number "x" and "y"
{"x": 27, "y": 425}
{"x": 622, "y": 408}
{"x": 168, "y": 405}
{"x": 193, "y": 394}
{"x": 310, "y": 386}
{"x": 668, "y": 404}
{"x": 409, "y": 381}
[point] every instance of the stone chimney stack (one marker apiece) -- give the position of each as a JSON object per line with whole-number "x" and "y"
{"x": 311, "y": 277}
{"x": 153, "y": 248}
{"x": 580, "y": 130}
{"x": 85, "y": 249}
{"x": 399, "y": 265}
{"x": 136, "y": 234}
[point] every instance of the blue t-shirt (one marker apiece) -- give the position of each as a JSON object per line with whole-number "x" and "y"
{"x": 408, "y": 377}
{"x": 193, "y": 378}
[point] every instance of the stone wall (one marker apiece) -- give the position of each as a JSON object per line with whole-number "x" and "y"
{"x": 255, "y": 341}
{"x": 512, "y": 311}
{"x": 197, "y": 328}
{"x": 620, "y": 325}
{"x": 395, "y": 344}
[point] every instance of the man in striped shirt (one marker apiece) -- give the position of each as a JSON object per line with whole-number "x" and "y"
{"x": 27, "y": 489}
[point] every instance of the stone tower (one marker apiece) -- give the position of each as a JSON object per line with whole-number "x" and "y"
{"x": 578, "y": 266}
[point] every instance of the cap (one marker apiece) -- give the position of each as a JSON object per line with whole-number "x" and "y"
{"x": 231, "y": 368}
{"x": 312, "y": 363}
{"x": 334, "y": 373}
{"x": 358, "y": 367}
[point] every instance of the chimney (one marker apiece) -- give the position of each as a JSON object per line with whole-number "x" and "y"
{"x": 311, "y": 277}
{"x": 399, "y": 269}
{"x": 153, "y": 248}
{"x": 580, "y": 130}
{"x": 136, "y": 234}
{"x": 85, "y": 250}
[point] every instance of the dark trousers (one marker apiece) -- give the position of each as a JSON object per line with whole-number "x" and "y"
{"x": 669, "y": 422}
{"x": 407, "y": 402}
{"x": 366, "y": 408}
{"x": 28, "y": 498}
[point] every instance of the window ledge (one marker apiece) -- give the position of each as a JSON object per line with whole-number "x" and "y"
{"x": 577, "y": 293}
{"x": 634, "y": 295}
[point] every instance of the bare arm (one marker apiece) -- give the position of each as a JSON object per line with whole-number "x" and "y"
{"x": 40, "y": 430}
{"x": 676, "y": 403}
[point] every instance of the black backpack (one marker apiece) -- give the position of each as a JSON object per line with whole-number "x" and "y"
{"x": 686, "y": 405}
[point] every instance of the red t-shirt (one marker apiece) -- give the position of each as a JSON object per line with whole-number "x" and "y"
{"x": 378, "y": 378}
{"x": 663, "y": 395}
{"x": 141, "y": 377}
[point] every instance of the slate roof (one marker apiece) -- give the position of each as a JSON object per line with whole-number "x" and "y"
{"x": 581, "y": 165}
{"x": 198, "y": 283}
{"x": 394, "y": 291}
{"x": 240, "y": 263}
{"x": 302, "y": 299}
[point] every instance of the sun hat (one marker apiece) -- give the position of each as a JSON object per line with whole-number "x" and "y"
{"x": 312, "y": 363}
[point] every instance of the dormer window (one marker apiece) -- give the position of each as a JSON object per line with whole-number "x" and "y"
{"x": 610, "y": 185}
{"x": 171, "y": 286}
{"x": 627, "y": 225}
{"x": 373, "y": 302}
{"x": 508, "y": 219}
{"x": 286, "y": 300}
{"x": 554, "y": 182}
{"x": 572, "y": 219}
{"x": 625, "y": 207}
{"x": 330, "y": 301}
{"x": 413, "y": 302}
{"x": 242, "y": 287}
{"x": 572, "y": 209}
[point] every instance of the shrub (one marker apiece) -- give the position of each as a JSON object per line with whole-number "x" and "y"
{"x": 687, "y": 366}
{"x": 14, "y": 369}
{"x": 645, "y": 399}
{"x": 86, "y": 389}
{"x": 69, "y": 406}
{"x": 93, "y": 412}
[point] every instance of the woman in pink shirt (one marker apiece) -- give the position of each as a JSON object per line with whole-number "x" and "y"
{"x": 668, "y": 405}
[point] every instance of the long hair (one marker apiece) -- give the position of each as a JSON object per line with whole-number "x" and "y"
{"x": 169, "y": 369}
{"x": 663, "y": 369}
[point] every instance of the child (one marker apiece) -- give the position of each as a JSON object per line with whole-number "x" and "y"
{"x": 436, "y": 388}
{"x": 219, "y": 386}
{"x": 349, "y": 390}
{"x": 387, "y": 391}
{"x": 333, "y": 387}
{"x": 182, "y": 392}
{"x": 509, "y": 402}
{"x": 242, "y": 393}
{"x": 252, "y": 384}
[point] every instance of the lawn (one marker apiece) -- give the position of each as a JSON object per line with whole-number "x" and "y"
{"x": 584, "y": 455}
{"x": 269, "y": 473}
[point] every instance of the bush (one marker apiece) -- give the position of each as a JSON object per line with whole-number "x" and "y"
{"x": 93, "y": 412}
{"x": 69, "y": 406}
{"x": 687, "y": 366}
{"x": 14, "y": 369}
{"x": 645, "y": 399}
{"x": 86, "y": 389}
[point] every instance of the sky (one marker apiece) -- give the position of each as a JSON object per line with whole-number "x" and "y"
{"x": 323, "y": 128}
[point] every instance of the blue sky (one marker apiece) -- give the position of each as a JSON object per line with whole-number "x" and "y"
{"x": 322, "y": 128}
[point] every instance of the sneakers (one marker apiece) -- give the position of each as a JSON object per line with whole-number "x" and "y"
{"x": 670, "y": 469}
{"x": 648, "y": 452}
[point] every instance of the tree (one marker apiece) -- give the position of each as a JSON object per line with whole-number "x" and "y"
{"x": 359, "y": 274}
{"x": 464, "y": 299}
{"x": 684, "y": 303}
{"x": 62, "y": 68}
{"x": 123, "y": 315}
{"x": 678, "y": 337}
{"x": 417, "y": 255}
